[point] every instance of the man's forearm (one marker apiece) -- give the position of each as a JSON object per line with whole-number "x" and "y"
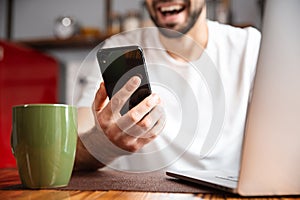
{"x": 84, "y": 160}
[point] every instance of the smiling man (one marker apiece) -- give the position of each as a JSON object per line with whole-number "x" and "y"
{"x": 202, "y": 74}
{"x": 179, "y": 16}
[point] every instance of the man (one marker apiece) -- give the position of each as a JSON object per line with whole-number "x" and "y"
{"x": 159, "y": 133}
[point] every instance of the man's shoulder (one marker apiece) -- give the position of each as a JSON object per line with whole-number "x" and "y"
{"x": 230, "y": 29}
{"x": 234, "y": 35}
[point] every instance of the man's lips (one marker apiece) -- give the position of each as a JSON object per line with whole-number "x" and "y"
{"x": 170, "y": 9}
{"x": 170, "y": 12}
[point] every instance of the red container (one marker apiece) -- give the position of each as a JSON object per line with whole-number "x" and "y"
{"x": 26, "y": 76}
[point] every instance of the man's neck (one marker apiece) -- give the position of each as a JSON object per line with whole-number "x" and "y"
{"x": 190, "y": 46}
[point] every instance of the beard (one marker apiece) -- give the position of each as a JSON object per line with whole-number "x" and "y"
{"x": 170, "y": 30}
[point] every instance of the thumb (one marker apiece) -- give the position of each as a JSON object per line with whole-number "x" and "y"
{"x": 100, "y": 97}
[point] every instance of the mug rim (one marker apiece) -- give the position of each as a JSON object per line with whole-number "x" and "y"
{"x": 43, "y": 105}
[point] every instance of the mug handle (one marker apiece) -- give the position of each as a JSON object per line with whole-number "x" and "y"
{"x": 11, "y": 143}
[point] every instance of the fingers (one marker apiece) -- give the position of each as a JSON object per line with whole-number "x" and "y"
{"x": 140, "y": 129}
{"x": 133, "y": 144}
{"x": 154, "y": 132}
{"x": 137, "y": 113}
{"x": 118, "y": 100}
{"x": 141, "y": 133}
{"x": 110, "y": 114}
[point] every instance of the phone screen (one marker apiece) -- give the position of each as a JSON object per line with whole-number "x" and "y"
{"x": 118, "y": 65}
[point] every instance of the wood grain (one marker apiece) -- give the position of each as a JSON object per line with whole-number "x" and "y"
{"x": 10, "y": 177}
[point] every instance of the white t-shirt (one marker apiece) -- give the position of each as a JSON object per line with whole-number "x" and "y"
{"x": 205, "y": 100}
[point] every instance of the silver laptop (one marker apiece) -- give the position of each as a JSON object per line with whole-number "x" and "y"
{"x": 270, "y": 162}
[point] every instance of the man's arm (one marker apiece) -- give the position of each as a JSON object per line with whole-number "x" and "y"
{"x": 84, "y": 160}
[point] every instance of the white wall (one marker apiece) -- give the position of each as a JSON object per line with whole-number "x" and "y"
{"x": 246, "y": 12}
{"x": 3, "y": 13}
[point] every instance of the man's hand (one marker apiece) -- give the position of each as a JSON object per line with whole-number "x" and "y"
{"x": 138, "y": 126}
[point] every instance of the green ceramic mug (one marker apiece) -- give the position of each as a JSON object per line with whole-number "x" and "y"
{"x": 43, "y": 141}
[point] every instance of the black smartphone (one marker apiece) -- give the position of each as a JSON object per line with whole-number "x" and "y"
{"x": 118, "y": 65}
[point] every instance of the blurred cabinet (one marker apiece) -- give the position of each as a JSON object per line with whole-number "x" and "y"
{"x": 26, "y": 76}
{"x": 79, "y": 41}
{"x": 219, "y": 10}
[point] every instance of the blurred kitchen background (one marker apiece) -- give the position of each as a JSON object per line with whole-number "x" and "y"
{"x": 43, "y": 43}
{"x": 69, "y": 29}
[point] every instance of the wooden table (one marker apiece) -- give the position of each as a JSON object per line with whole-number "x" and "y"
{"x": 10, "y": 177}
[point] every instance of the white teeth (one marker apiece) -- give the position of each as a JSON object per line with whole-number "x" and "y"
{"x": 171, "y": 8}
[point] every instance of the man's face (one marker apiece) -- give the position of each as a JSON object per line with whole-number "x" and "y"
{"x": 176, "y": 15}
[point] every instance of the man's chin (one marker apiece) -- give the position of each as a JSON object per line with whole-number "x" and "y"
{"x": 170, "y": 33}
{"x": 168, "y": 30}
